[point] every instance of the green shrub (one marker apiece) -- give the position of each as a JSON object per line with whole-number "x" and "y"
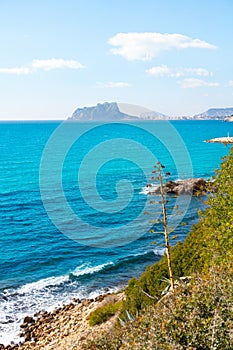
{"x": 198, "y": 315}
{"x": 103, "y": 313}
{"x": 209, "y": 242}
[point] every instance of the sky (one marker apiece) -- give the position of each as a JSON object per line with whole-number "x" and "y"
{"x": 171, "y": 56}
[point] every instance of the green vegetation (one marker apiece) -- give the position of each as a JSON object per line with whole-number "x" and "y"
{"x": 197, "y": 316}
{"x": 103, "y": 313}
{"x": 199, "y": 313}
{"x": 209, "y": 243}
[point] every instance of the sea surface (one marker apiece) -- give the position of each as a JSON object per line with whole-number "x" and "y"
{"x": 75, "y": 216}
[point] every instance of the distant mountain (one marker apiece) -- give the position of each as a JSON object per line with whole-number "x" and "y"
{"x": 215, "y": 113}
{"x": 101, "y": 112}
{"x": 112, "y": 111}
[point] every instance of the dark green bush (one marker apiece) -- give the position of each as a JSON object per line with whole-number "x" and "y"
{"x": 103, "y": 313}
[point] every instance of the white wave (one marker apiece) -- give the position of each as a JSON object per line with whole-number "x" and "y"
{"x": 42, "y": 284}
{"x": 101, "y": 291}
{"x": 56, "y": 281}
{"x": 143, "y": 253}
{"x": 9, "y": 336}
{"x": 156, "y": 251}
{"x": 159, "y": 251}
{"x": 17, "y": 307}
{"x": 149, "y": 188}
{"x": 37, "y": 296}
{"x": 84, "y": 269}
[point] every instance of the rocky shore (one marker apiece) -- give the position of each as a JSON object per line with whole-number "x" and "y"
{"x": 66, "y": 328}
{"x": 179, "y": 187}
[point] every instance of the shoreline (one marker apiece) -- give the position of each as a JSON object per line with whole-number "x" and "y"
{"x": 66, "y": 327}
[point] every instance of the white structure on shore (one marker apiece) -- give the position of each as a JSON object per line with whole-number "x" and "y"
{"x": 225, "y": 140}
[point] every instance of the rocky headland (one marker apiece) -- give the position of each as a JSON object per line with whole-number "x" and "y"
{"x": 112, "y": 111}
{"x": 101, "y": 112}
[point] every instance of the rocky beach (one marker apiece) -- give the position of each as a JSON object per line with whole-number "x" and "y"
{"x": 66, "y": 327}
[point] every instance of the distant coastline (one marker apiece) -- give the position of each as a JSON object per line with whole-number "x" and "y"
{"x": 113, "y": 111}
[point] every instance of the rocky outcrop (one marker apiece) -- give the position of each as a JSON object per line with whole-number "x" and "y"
{"x": 112, "y": 111}
{"x": 188, "y": 186}
{"x": 101, "y": 112}
{"x": 66, "y": 327}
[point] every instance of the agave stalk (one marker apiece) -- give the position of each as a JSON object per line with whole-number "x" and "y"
{"x": 165, "y": 225}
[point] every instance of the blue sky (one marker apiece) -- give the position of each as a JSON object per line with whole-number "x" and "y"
{"x": 174, "y": 57}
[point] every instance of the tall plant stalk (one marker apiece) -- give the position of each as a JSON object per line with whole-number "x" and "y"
{"x": 165, "y": 225}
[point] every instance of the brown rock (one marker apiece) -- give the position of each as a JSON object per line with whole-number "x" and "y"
{"x": 24, "y": 325}
{"x": 188, "y": 186}
{"x": 27, "y": 336}
{"x": 86, "y": 302}
{"x": 29, "y": 319}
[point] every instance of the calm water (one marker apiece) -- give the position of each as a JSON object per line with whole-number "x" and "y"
{"x": 91, "y": 179}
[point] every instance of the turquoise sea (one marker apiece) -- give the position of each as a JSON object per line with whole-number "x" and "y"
{"x": 72, "y": 203}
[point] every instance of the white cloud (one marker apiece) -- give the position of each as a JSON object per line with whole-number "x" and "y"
{"x": 56, "y": 63}
{"x": 53, "y": 63}
{"x": 112, "y": 84}
{"x": 145, "y": 46}
{"x": 177, "y": 72}
{"x": 16, "y": 70}
{"x": 230, "y": 83}
{"x": 159, "y": 71}
{"x": 191, "y": 71}
{"x": 191, "y": 83}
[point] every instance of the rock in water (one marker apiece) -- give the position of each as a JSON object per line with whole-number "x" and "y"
{"x": 188, "y": 186}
